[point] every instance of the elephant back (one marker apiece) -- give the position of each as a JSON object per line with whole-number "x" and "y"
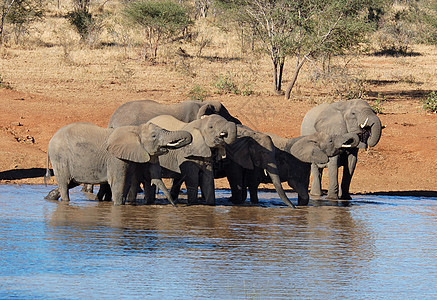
{"x": 310, "y": 119}
{"x": 168, "y": 122}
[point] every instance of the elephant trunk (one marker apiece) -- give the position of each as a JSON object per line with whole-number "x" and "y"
{"x": 273, "y": 173}
{"x": 349, "y": 140}
{"x": 230, "y": 133}
{"x": 375, "y": 131}
{"x": 176, "y": 139}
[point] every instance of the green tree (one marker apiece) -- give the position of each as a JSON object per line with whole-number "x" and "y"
{"x": 302, "y": 28}
{"x": 161, "y": 20}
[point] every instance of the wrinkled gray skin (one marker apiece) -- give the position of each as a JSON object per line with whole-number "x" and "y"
{"x": 294, "y": 158}
{"x": 353, "y": 116}
{"x": 86, "y": 153}
{"x": 142, "y": 111}
{"x": 251, "y": 150}
{"x": 193, "y": 163}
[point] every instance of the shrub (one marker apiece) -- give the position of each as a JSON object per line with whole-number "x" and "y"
{"x": 88, "y": 27}
{"x": 377, "y": 106}
{"x": 225, "y": 84}
{"x": 4, "y": 84}
{"x": 430, "y": 102}
{"x": 197, "y": 93}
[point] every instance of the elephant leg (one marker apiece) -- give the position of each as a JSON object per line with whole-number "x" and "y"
{"x": 104, "y": 193}
{"x": 252, "y": 184}
{"x": 301, "y": 188}
{"x": 63, "y": 189}
{"x": 176, "y": 187}
{"x": 88, "y": 188}
{"x": 333, "y": 177}
{"x": 348, "y": 171}
{"x": 207, "y": 186}
{"x": 316, "y": 185}
{"x": 192, "y": 183}
{"x": 132, "y": 185}
{"x": 117, "y": 179}
{"x": 234, "y": 174}
{"x": 149, "y": 191}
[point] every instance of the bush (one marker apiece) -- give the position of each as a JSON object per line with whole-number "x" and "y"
{"x": 430, "y": 102}
{"x": 4, "y": 84}
{"x": 88, "y": 27}
{"x": 197, "y": 93}
{"x": 225, "y": 85}
{"x": 377, "y": 106}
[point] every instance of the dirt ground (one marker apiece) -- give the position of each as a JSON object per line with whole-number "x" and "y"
{"x": 404, "y": 160}
{"x": 40, "y": 102}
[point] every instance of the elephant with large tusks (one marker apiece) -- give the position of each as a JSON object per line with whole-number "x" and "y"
{"x": 86, "y": 153}
{"x": 353, "y": 116}
{"x": 294, "y": 158}
{"x": 194, "y": 163}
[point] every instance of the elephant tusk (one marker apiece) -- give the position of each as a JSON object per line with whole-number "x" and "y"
{"x": 223, "y": 134}
{"x": 346, "y": 146}
{"x": 265, "y": 172}
{"x": 174, "y": 144}
{"x": 364, "y": 124}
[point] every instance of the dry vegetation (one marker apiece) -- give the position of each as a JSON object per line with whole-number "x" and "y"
{"x": 55, "y": 81}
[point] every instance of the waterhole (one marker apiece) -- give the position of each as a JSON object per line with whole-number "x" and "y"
{"x": 372, "y": 247}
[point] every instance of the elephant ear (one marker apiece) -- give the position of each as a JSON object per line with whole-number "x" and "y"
{"x": 124, "y": 143}
{"x": 308, "y": 151}
{"x": 197, "y": 147}
{"x": 206, "y": 110}
{"x": 239, "y": 153}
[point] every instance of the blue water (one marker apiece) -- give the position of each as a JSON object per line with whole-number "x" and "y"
{"x": 374, "y": 247}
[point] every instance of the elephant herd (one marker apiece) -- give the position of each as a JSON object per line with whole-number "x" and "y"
{"x": 195, "y": 142}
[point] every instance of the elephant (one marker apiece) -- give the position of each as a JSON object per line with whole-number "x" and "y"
{"x": 251, "y": 149}
{"x": 194, "y": 163}
{"x": 86, "y": 153}
{"x": 353, "y": 116}
{"x": 142, "y": 111}
{"x": 294, "y": 158}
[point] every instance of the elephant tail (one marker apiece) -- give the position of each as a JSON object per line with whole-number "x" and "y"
{"x": 48, "y": 175}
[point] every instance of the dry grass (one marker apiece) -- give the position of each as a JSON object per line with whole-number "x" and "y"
{"x": 54, "y": 63}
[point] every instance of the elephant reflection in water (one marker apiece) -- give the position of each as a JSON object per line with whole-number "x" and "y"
{"x": 266, "y": 234}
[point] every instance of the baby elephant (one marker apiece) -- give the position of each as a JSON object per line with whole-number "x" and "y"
{"x": 87, "y": 153}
